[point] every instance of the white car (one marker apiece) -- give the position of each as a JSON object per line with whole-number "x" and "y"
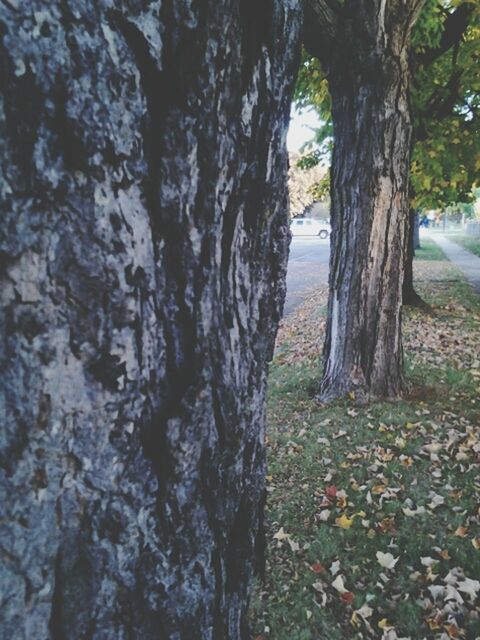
{"x": 310, "y": 227}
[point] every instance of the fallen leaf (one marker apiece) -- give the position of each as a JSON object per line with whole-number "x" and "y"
{"x": 331, "y": 492}
{"x": 294, "y": 546}
{"x": 437, "y": 500}
{"x": 452, "y": 630}
{"x": 386, "y": 560}
{"x": 338, "y": 585}
{"x": 384, "y": 624}
{"x": 433, "y": 624}
{"x": 281, "y": 535}
{"x": 437, "y": 591}
{"x": 413, "y": 512}
{"x": 317, "y": 568}
{"x": 378, "y": 489}
{"x": 324, "y": 515}
{"x": 470, "y": 587}
{"x": 344, "y": 522}
{"x": 342, "y": 499}
{"x": 347, "y": 597}
{"x": 365, "y": 611}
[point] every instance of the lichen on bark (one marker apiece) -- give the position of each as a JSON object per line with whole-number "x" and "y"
{"x": 143, "y": 252}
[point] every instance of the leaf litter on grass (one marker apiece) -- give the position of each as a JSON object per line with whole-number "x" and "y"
{"x": 373, "y": 512}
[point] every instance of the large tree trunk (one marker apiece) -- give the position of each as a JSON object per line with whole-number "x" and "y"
{"x": 369, "y": 83}
{"x": 143, "y": 255}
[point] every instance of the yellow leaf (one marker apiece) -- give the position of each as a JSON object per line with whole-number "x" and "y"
{"x": 344, "y": 522}
{"x": 384, "y": 624}
{"x": 342, "y": 501}
{"x": 433, "y": 624}
{"x": 379, "y": 488}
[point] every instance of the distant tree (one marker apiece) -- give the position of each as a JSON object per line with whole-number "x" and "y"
{"x": 446, "y": 109}
{"x": 363, "y": 49}
{"x": 143, "y": 251}
{"x": 303, "y": 184}
{"x": 445, "y": 38}
{"x": 445, "y": 104}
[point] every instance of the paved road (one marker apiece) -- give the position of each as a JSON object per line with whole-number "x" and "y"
{"x": 308, "y": 266}
{"x": 307, "y": 269}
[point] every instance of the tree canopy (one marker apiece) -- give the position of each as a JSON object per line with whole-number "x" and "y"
{"x": 445, "y": 105}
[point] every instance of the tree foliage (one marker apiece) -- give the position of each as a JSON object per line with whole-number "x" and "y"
{"x": 446, "y": 110}
{"x": 303, "y": 183}
{"x": 445, "y": 104}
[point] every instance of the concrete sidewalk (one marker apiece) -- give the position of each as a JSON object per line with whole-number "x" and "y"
{"x": 466, "y": 261}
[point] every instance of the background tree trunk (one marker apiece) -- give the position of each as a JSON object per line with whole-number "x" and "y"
{"x": 369, "y": 83}
{"x": 143, "y": 256}
{"x": 414, "y": 220}
{"x": 409, "y": 295}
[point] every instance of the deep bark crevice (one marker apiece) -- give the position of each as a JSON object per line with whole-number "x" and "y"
{"x": 143, "y": 278}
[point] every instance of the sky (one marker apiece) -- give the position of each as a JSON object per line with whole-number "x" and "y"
{"x": 300, "y": 130}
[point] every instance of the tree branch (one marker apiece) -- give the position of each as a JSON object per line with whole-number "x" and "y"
{"x": 320, "y": 27}
{"x": 455, "y": 26}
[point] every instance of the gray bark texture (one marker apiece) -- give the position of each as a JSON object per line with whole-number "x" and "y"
{"x": 368, "y": 72}
{"x": 143, "y": 248}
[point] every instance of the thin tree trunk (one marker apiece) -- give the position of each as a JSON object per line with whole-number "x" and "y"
{"x": 409, "y": 296}
{"x": 369, "y": 83}
{"x": 414, "y": 220}
{"x": 143, "y": 256}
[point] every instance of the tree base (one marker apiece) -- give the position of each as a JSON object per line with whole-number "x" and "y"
{"x": 359, "y": 394}
{"x": 412, "y": 299}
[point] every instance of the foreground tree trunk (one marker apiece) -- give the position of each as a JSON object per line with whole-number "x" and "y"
{"x": 367, "y": 68}
{"x": 143, "y": 256}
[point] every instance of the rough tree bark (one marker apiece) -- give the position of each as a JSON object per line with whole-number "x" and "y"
{"x": 143, "y": 251}
{"x": 366, "y": 62}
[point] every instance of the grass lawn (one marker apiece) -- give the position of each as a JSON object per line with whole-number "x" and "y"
{"x": 372, "y": 512}
{"x": 468, "y": 242}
